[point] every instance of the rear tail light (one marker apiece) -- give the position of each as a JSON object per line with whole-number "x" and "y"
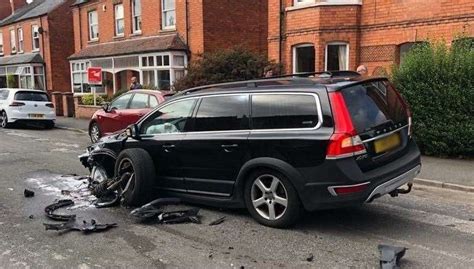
{"x": 348, "y": 189}
{"x": 17, "y": 104}
{"x": 50, "y": 105}
{"x": 344, "y": 142}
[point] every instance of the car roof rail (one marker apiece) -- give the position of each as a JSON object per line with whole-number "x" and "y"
{"x": 290, "y": 79}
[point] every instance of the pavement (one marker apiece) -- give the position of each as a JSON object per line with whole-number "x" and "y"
{"x": 454, "y": 174}
{"x": 436, "y": 225}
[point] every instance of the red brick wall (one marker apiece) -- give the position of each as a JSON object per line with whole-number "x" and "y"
{"x": 61, "y": 46}
{"x": 373, "y": 30}
{"x": 211, "y": 24}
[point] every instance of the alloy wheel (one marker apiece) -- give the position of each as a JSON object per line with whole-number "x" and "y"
{"x": 94, "y": 133}
{"x": 269, "y": 197}
{"x": 4, "y": 119}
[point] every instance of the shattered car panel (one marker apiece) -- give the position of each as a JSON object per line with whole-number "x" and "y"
{"x": 49, "y": 210}
{"x": 86, "y": 227}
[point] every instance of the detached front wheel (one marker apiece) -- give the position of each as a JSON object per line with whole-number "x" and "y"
{"x": 136, "y": 169}
{"x": 271, "y": 199}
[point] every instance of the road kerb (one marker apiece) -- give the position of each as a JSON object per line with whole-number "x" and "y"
{"x": 71, "y": 129}
{"x": 439, "y": 184}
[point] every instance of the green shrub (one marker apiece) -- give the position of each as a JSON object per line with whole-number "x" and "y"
{"x": 88, "y": 100}
{"x": 438, "y": 83}
{"x": 224, "y": 66}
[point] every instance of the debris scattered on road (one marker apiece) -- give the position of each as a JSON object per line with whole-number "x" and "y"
{"x": 110, "y": 200}
{"x": 153, "y": 209}
{"x": 217, "y": 221}
{"x": 310, "y": 257}
{"x": 31, "y": 217}
{"x": 28, "y": 193}
{"x": 183, "y": 216}
{"x": 65, "y": 192}
{"x": 49, "y": 210}
{"x": 86, "y": 227}
{"x": 390, "y": 256}
{"x": 471, "y": 219}
{"x": 11, "y": 189}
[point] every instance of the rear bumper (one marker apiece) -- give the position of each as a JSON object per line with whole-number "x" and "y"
{"x": 317, "y": 195}
{"x": 16, "y": 115}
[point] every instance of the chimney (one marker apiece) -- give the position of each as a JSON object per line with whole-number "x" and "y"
{"x": 8, "y": 7}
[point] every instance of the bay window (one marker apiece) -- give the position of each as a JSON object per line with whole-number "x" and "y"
{"x": 304, "y": 58}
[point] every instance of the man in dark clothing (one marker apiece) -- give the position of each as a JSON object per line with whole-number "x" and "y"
{"x": 135, "y": 85}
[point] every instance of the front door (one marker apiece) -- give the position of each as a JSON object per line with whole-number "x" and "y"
{"x": 216, "y": 148}
{"x": 161, "y": 135}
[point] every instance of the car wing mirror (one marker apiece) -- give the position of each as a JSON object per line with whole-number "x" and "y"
{"x": 133, "y": 131}
{"x": 106, "y": 107}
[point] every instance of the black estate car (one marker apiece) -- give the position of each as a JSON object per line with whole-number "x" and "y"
{"x": 275, "y": 146}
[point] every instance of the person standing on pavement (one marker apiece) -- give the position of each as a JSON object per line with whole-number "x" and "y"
{"x": 135, "y": 85}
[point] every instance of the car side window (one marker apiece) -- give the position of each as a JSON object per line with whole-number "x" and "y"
{"x": 121, "y": 102}
{"x": 284, "y": 111}
{"x": 139, "y": 101}
{"x": 153, "y": 101}
{"x": 169, "y": 119}
{"x": 222, "y": 113}
{"x": 4, "y": 94}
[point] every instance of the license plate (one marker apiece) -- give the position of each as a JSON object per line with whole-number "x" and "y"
{"x": 36, "y": 116}
{"x": 387, "y": 143}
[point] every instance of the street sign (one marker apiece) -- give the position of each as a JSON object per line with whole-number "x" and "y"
{"x": 94, "y": 75}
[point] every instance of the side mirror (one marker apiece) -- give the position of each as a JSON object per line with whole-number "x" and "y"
{"x": 133, "y": 131}
{"x": 106, "y": 107}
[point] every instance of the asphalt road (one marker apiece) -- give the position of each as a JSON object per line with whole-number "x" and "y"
{"x": 436, "y": 225}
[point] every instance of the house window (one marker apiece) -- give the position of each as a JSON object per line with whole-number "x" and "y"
{"x": 12, "y": 41}
{"x": 337, "y": 56}
{"x": 303, "y": 2}
{"x": 26, "y": 80}
{"x": 80, "y": 83}
{"x": 137, "y": 16}
{"x": 304, "y": 59}
{"x": 1, "y": 43}
{"x": 20, "y": 40}
{"x": 35, "y": 36}
{"x": 159, "y": 71}
{"x": 93, "y": 25}
{"x": 119, "y": 21}
{"x": 404, "y": 48}
{"x": 168, "y": 14}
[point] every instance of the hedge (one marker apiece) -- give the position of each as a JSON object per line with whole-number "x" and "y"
{"x": 438, "y": 83}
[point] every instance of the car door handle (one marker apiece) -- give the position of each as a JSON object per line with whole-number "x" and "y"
{"x": 168, "y": 147}
{"x": 229, "y": 148}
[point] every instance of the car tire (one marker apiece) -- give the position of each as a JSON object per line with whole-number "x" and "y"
{"x": 4, "y": 120}
{"x": 94, "y": 132}
{"x": 272, "y": 197}
{"x": 139, "y": 164}
{"x": 49, "y": 125}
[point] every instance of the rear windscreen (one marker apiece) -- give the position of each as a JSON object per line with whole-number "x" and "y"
{"x": 31, "y": 96}
{"x": 372, "y": 104}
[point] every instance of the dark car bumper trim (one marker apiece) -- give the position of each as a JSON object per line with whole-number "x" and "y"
{"x": 394, "y": 183}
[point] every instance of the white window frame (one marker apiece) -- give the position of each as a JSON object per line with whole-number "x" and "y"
{"x": 171, "y": 67}
{"x": 117, "y": 19}
{"x": 163, "y": 15}
{"x": 136, "y": 27}
{"x": 13, "y": 41}
{"x": 35, "y": 36}
{"x": 339, "y": 44}
{"x": 21, "y": 43}
{"x": 294, "y": 58}
{"x": 92, "y": 24}
{"x": 1, "y": 43}
{"x": 303, "y": 2}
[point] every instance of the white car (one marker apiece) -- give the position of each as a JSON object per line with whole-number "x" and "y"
{"x": 24, "y": 105}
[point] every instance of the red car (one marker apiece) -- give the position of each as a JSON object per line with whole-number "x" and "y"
{"x": 126, "y": 109}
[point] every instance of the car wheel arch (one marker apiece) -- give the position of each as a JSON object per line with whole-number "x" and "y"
{"x": 106, "y": 159}
{"x": 278, "y": 165}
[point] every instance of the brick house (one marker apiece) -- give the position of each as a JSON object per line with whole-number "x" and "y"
{"x": 318, "y": 35}
{"x": 154, "y": 40}
{"x": 35, "y": 41}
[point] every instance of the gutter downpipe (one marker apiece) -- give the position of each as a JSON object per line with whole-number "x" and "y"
{"x": 280, "y": 34}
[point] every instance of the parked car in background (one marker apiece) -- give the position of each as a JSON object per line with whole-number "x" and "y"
{"x": 274, "y": 146}
{"x": 26, "y": 106}
{"x": 124, "y": 110}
